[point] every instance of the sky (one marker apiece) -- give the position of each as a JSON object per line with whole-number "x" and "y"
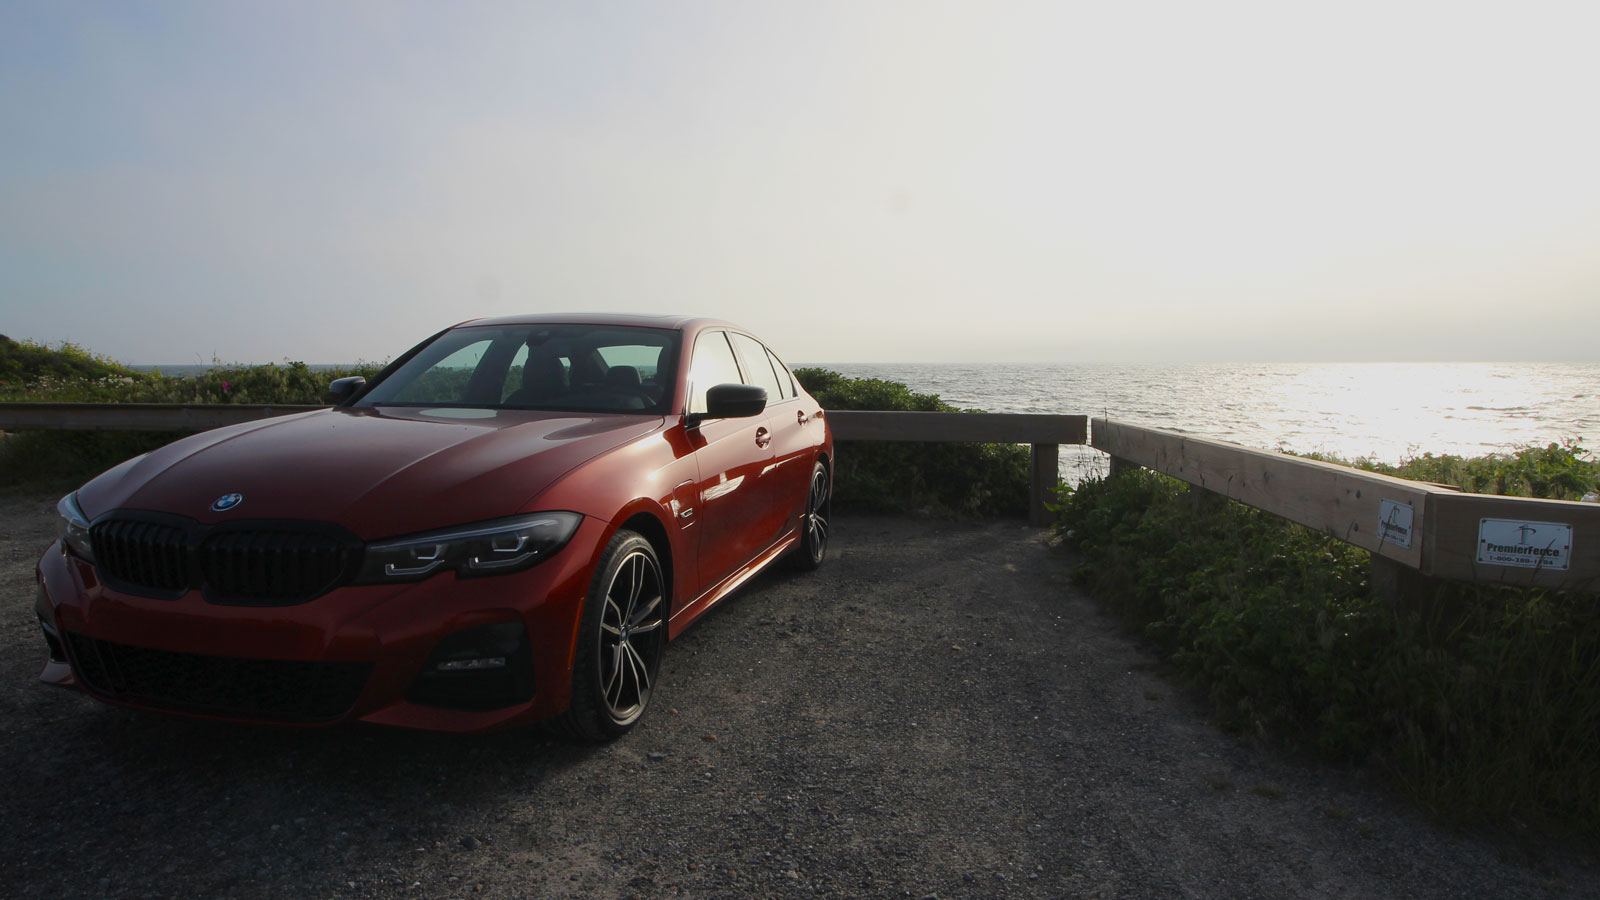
{"x": 853, "y": 181}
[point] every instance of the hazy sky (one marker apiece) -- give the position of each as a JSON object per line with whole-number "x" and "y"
{"x": 855, "y": 181}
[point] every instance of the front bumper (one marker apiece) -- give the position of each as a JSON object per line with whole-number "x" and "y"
{"x": 359, "y": 653}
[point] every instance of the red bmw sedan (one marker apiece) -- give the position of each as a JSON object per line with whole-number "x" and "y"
{"x": 507, "y": 524}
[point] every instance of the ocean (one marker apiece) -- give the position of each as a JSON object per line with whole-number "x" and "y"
{"x": 1384, "y": 411}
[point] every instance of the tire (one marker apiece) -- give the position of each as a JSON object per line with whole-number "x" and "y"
{"x": 813, "y": 547}
{"x": 620, "y": 641}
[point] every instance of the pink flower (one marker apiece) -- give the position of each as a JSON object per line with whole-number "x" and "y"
{"x": 226, "y": 386}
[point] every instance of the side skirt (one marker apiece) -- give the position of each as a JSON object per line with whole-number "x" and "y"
{"x": 686, "y": 615}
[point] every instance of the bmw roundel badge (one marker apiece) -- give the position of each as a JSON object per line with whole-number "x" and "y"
{"x": 226, "y": 502}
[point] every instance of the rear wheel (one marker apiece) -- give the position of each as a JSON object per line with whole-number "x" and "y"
{"x": 620, "y": 641}
{"x": 814, "y": 524}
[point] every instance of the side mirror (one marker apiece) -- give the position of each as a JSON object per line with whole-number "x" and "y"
{"x": 730, "y": 401}
{"x": 343, "y": 389}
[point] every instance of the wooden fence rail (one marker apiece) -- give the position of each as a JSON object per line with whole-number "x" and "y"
{"x": 1043, "y": 432}
{"x": 1433, "y": 530}
{"x": 136, "y": 416}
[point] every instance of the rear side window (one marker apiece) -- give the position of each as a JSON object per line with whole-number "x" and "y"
{"x": 785, "y": 378}
{"x": 758, "y": 367}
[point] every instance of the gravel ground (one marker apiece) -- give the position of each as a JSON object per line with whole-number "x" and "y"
{"x": 935, "y": 713}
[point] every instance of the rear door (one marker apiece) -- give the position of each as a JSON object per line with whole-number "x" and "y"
{"x": 793, "y": 437}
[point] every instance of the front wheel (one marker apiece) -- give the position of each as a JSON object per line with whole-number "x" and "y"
{"x": 814, "y": 524}
{"x": 620, "y": 640}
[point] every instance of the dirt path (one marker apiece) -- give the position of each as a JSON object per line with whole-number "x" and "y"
{"x": 935, "y": 713}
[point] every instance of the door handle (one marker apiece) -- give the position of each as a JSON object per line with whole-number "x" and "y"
{"x": 801, "y": 417}
{"x": 763, "y": 437}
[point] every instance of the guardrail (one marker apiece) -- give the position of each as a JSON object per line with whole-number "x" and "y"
{"x": 1409, "y": 526}
{"x": 1042, "y": 432}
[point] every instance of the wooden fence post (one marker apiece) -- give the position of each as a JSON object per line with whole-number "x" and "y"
{"x": 1045, "y": 474}
{"x": 1389, "y": 579}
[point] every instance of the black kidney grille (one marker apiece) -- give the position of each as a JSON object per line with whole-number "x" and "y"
{"x": 261, "y": 563}
{"x": 263, "y": 567}
{"x": 278, "y": 690}
{"x": 149, "y": 554}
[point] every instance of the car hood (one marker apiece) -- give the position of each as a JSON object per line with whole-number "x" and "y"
{"x": 377, "y": 472}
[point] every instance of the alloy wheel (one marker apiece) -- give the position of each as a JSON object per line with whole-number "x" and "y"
{"x": 817, "y": 515}
{"x": 631, "y": 636}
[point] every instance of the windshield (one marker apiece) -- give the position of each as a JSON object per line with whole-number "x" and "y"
{"x": 581, "y": 368}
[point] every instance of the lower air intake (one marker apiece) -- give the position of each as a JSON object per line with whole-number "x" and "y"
{"x": 232, "y": 687}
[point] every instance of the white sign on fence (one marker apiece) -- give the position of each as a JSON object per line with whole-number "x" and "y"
{"x": 1394, "y": 522}
{"x": 1527, "y": 545}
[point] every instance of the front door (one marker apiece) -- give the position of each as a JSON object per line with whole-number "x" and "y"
{"x": 736, "y": 491}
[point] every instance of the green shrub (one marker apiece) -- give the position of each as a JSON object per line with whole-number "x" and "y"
{"x": 25, "y": 362}
{"x": 68, "y": 375}
{"x": 1561, "y": 471}
{"x": 1483, "y": 704}
{"x": 894, "y": 476}
{"x": 289, "y": 383}
{"x": 41, "y": 460}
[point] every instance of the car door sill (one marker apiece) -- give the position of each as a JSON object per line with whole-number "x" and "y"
{"x": 686, "y": 616}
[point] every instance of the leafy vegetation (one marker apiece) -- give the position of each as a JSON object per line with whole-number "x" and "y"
{"x": 893, "y": 476}
{"x": 1483, "y": 702}
{"x": 291, "y": 382}
{"x": 1563, "y": 471}
{"x": 68, "y": 374}
{"x": 25, "y": 362}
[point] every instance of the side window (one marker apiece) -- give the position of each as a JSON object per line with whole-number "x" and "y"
{"x": 785, "y": 379}
{"x": 713, "y": 365}
{"x": 755, "y": 358}
{"x": 447, "y": 380}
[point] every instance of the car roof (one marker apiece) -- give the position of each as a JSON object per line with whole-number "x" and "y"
{"x": 675, "y": 323}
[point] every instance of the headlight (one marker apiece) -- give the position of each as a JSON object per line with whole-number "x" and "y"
{"x": 73, "y": 528}
{"x": 484, "y": 548}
